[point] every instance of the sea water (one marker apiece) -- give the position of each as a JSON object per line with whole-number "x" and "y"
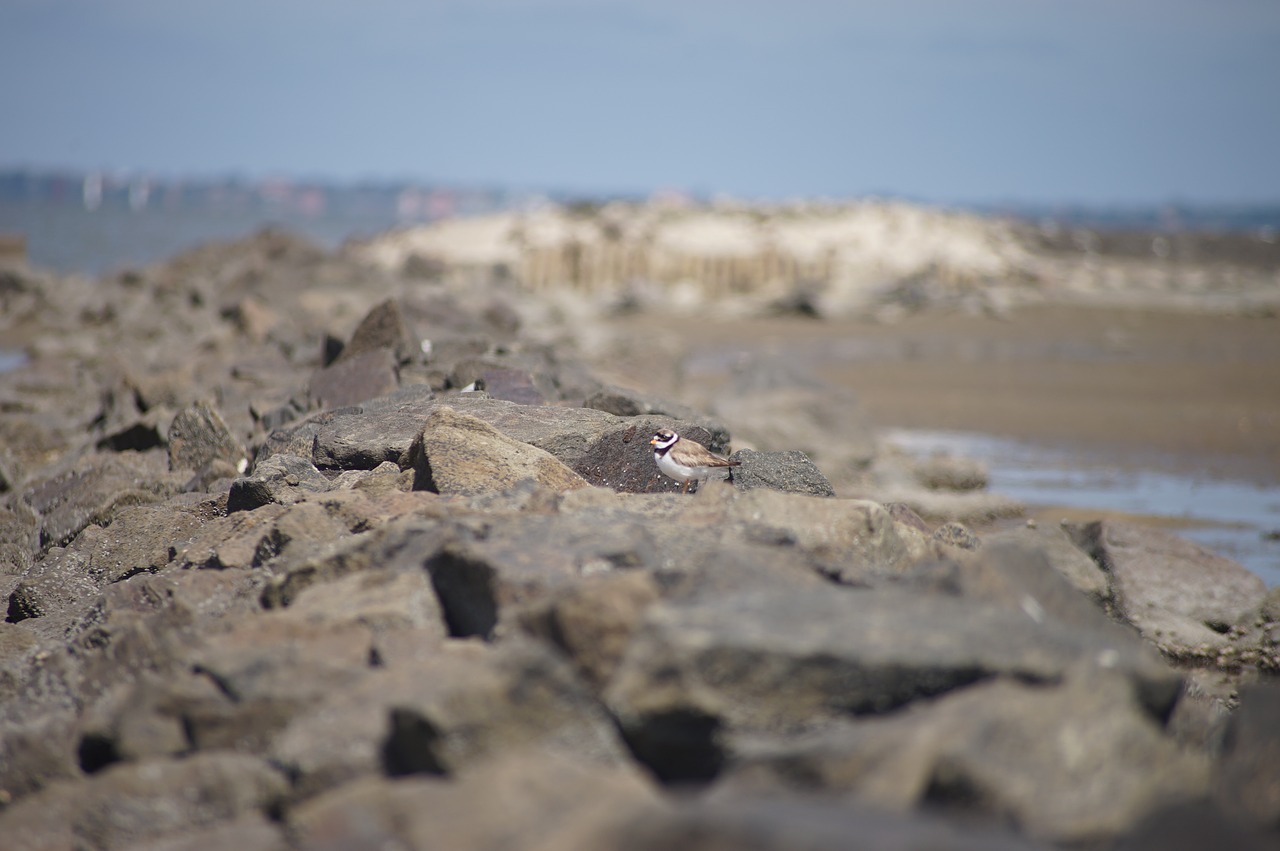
{"x": 1234, "y": 518}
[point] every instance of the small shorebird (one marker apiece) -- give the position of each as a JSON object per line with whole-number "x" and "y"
{"x": 686, "y": 460}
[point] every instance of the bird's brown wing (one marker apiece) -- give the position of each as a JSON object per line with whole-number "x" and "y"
{"x": 696, "y": 455}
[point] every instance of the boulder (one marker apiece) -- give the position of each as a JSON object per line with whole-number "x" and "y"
{"x": 1071, "y": 562}
{"x": 94, "y": 489}
{"x": 786, "y": 658}
{"x": 280, "y": 478}
{"x": 790, "y": 472}
{"x": 384, "y": 327}
{"x": 460, "y": 454}
{"x": 367, "y": 375}
{"x": 524, "y": 799}
{"x": 134, "y": 802}
{"x": 1181, "y": 597}
{"x": 1041, "y": 758}
{"x": 445, "y": 711}
{"x": 198, "y": 435}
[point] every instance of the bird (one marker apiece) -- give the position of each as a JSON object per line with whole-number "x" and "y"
{"x": 686, "y": 460}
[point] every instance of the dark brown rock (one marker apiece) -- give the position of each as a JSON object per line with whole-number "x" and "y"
{"x": 349, "y": 382}
{"x": 198, "y": 435}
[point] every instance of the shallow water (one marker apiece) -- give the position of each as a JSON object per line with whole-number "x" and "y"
{"x": 1234, "y": 518}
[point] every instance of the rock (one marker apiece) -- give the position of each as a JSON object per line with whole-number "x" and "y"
{"x": 1180, "y": 596}
{"x": 523, "y": 799}
{"x": 781, "y": 824}
{"x": 130, "y": 803}
{"x": 778, "y": 659}
{"x": 378, "y": 599}
{"x": 854, "y": 540}
{"x": 789, "y": 472}
{"x": 499, "y": 382}
{"x": 603, "y": 449}
{"x": 1018, "y": 573}
{"x": 383, "y": 327}
{"x": 269, "y": 669}
{"x": 138, "y": 539}
{"x": 950, "y": 473}
{"x": 404, "y": 544}
{"x": 957, "y": 535}
{"x": 348, "y": 382}
{"x": 484, "y": 580}
{"x": 94, "y": 490}
{"x": 247, "y": 833}
{"x": 446, "y": 711}
{"x": 199, "y": 435}
{"x": 1192, "y": 827}
{"x": 1248, "y": 782}
{"x": 593, "y": 621}
{"x": 1041, "y": 757}
{"x": 460, "y": 454}
{"x": 1064, "y": 556}
{"x": 282, "y": 478}
{"x": 228, "y": 542}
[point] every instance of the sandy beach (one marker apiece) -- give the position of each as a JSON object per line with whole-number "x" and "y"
{"x": 1199, "y": 391}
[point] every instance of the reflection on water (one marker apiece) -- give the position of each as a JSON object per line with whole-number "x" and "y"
{"x": 1231, "y": 517}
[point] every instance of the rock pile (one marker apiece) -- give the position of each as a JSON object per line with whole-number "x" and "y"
{"x": 298, "y": 553}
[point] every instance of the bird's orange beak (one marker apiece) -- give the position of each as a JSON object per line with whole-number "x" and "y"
{"x": 653, "y": 441}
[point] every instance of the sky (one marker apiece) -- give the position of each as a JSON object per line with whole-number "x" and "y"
{"x": 947, "y": 101}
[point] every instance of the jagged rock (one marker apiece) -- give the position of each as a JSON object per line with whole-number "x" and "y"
{"x": 255, "y": 832}
{"x": 460, "y": 454}
{"x": 138, "y": 539}
{"x": 949, "y": 473}
{"x": 1064, "y": 556}
{"x": 199, "y": 435}
{"x": 783, "y": 658}
{"x": 1021, "y": 575}
{"x": 593, "y": 621}
{"x": 525, "y": 799}
{"x": 1248, "y": 782}
{"x": 957, "y": 535}
{"x": 281, "y": 478}
{"x": 447, "y": 710}
{"x": 97, "y": 487}
{"x": 1043, "y": 758}
{"x": 404, "y": 544}
{"x": 383, "y": 327}
{"x": 790, "y": 472}
{"x": 129, "y": 803}
{"x": 483, "y": 580}
{"x": 364, "y": 376}
{"x": 1183, "y": 598}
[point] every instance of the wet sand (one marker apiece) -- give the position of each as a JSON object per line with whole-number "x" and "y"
{"x": 1195, "y": 391}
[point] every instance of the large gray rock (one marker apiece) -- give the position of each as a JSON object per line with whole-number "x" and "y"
{"x": 367, "y": 375}
{"x": 383, "y": 327}
{"x": 130, "y": 803}
{"x": 1248, "y": 781}
{"x": 1044, "y": 758}
{"x": 460, "y": 454}
{"x": 94, "y": 489}
{"x": 280, "y": 478}
{"x": 790, "y": 472}
{"x": 198, "y": 436}
{"x": 1182, "y": 597}
{"x": 524, "y": 799}
{"x": 1073, "y": 563}
{"x": 778, "y": 659}
{"x": 450, "y": 708}
{"x": 138, "y": 539}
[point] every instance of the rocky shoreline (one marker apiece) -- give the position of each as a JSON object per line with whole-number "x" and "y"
{"x": 305, "y": 551}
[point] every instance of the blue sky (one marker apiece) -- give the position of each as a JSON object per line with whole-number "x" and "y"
{"x": 1093, "y": 101}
